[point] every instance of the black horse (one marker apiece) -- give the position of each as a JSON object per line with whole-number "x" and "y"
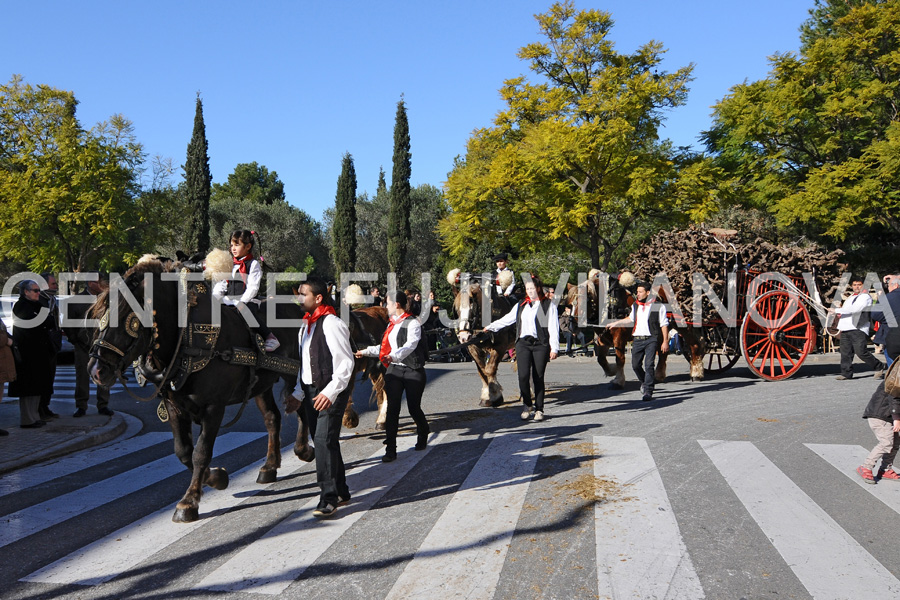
{"x": 198, "y": 369}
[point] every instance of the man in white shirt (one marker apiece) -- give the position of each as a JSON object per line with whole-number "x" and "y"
{"x": 326, "y": 369}
{"x": 853, "y": 323}
{"x": 650, "y": 334}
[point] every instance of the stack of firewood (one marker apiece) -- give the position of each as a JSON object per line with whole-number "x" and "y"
{"x": 716, "y": 252}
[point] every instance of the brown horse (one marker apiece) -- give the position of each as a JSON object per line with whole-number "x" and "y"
{"x": 489, "y": 350}
{"x": 586, "y": 299}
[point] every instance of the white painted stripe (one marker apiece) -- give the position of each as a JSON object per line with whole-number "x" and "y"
{"x": 122, "y": 550}
{"x": 22, "y": 479}
{"x": 846, "y": 458}
{"x": 640, "y": 552}
{"x": 273, "y": 562}
{"x": 38, "y": 517}
{"x": 464, "y": 553}
{"x": 826, "y": 560}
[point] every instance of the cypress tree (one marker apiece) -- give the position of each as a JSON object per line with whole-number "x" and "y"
{"x": 197, "y": 182}
{"x": 382, "y": 185}
{"x": 398, "y": 218}
{"x": 343, "y": 247}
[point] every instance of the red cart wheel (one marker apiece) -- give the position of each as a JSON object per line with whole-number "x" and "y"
{"x": 719, "y": 363}
{"x": 777, "y": 335}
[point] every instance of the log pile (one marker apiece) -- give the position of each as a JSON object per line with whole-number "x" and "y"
{"x": 716, "y": 252}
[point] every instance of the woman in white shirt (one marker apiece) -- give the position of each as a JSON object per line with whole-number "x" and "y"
{"x": 403, "y": 352}
{"x": 537, "y": 343}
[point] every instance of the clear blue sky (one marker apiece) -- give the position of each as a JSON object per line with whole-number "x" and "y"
{"x": 293, "y": 85}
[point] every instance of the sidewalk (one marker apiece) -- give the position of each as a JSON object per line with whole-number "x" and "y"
{"x": 24, "y": 447}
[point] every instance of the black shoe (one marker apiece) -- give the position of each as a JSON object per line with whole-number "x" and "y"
{"x": 343, "y": 500}
{"x": 647, "y": 398}
{"x": 48, "y": 414}
{"x": 34, "y": 425}
{"x": 389, "y": 456}
{"x": 325, "y": 510}
{"x": 422, "y": 441}
{"x": 79, "y": 413}
{"x": 105, "y": 411}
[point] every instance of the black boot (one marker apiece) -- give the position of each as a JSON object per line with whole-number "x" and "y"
{"x": 390, "y": 455}
{"x": 422, "y": 441}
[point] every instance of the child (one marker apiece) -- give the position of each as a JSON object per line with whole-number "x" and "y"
{"x": 882, "y": 411}
{"x": 242, "y": 291}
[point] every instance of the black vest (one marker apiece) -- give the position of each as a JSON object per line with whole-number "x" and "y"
{"x": 417, "y": 358}
{"x": 652, "y": 318}
{"x": 543, "y": 334}
{"x": 320, "y": 356}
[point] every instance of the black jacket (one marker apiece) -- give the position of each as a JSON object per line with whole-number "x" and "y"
{"x": 882, "y": 406}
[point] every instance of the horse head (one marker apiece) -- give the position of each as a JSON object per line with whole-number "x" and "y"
{"x": 124, "y": 335}
{"x": 589, "y": 295}
{"x": 467, "y": 303}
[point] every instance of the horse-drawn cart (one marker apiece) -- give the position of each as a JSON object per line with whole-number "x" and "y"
{"x": 771, "y": 327}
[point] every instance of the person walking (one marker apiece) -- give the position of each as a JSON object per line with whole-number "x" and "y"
{"x": 537, "y": 343}
{"x": 32, "y": 336}
{"x": 80, "y": 337}
{"x": 650, "y": 327}
{"x": 883, "y": 415}
{"x": 403, "y": 352}
{"x": 853, "y": 323}
{"x": 326, "y": 366}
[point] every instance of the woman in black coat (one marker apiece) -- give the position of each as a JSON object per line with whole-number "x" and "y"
{"x": 35, "y": 373}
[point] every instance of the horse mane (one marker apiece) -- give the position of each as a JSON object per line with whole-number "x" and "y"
{"x": 148, "y": 263}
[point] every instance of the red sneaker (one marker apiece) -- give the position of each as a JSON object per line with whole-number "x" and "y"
{"x": 866, "y": 474}
{"x": 889, "y": 474}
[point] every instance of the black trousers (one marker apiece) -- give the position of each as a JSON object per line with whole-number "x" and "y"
{"x": 325, "y": 427}
{"x": 83, "y": 383}
{"x": 397, "y": 379}
{"x": 855, "y": 342}
{"x": 643, "y": 361}
{"x": 531, "y": 361}
{"x": 44, "y": 404}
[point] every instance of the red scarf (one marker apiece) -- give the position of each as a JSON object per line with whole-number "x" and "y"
{"x": 321, "y": 311}
{"x": 639, "y": 303}
{"x": 385, "y": 343}
{"x": 243, "y": 264}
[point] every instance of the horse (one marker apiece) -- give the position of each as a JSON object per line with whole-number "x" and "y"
{"x": 199, "y": 368}
{"x": 487, "y": 350}
{"x": 367, "y": 326}
{"x": 585, "y": 299}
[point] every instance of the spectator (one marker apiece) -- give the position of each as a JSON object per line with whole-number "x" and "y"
{"x": 80, "y": 336}
{"x": 7, "y": 362}
{"x": 377, "y": 300}
{"x": 38, "y": 350}
{"x": 883, "y": 415}
{"x": 889, "y": 304}
{"x": 49, "y": 300}
{"x": 853, "y": 324}
{"x": 570, "y": 330}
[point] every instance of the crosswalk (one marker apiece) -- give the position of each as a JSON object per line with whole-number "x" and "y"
{"x": 466, "y": 545}
{"x": 64, "y": 385}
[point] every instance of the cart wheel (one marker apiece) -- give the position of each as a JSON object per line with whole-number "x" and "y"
{"x": 777, "y": 339}
{"x": 719, "y": 363}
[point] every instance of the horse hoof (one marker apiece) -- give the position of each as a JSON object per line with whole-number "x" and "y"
{"x": 379, "y": 426}
{"x": 351, "y": 422}
{"x": 308, "y": 454}
{"x": 497, "y": 402}
{"x": 486, "y": 404}
{"x": 269, "y": 476}
{"x": 186, "y": 515}
{"x": 218, "y": 478}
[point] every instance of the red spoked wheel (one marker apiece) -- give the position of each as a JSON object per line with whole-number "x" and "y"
{"x": 777, "y": 335}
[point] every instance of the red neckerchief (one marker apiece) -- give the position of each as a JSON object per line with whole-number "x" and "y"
{"x": 243, "y": 264}
{"x": 321, "y": 311}
{"x": 639, "y": 303}
{"x": 385, "y": 343}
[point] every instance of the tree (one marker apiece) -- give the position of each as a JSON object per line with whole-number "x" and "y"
{"x": 382, "y": 184}
{"x": 343, "y": 248}
{"x": 398, "y": 223}
{"x": 70, "y": 197}
{"x": 251, "y": 182}
{"x": 197, "y": 182}
{"x": 817, "y": 142}
{"x": 576, "y": 156}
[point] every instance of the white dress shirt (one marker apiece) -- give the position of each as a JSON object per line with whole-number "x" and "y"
{"x": 254, "y": 280}
{"x": 850, "y": 313}
{"x": 529, "y": 322}
{"x": 640, "y": 314}
{"x": 413, "y": 335}
{"x": 337, "y": 335}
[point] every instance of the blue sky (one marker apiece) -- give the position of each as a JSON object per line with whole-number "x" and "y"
{"x": 294, "y": 85}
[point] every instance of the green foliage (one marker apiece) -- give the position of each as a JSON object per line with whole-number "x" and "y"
{"x": 343, "y": 247}
{"x": 290, "y": 240}
{"x": 576, "y": 156}
{"x": 382, "y": 184}
{"x": 70, "y": 197}
{"x": 197, "y": 183}
{"x": 252, "y": 183}
{"x": 817, "y": 143}
{"x": 398, "y": 224}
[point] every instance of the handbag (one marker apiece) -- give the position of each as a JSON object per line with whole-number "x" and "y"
{"x": 892, "y": 380}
